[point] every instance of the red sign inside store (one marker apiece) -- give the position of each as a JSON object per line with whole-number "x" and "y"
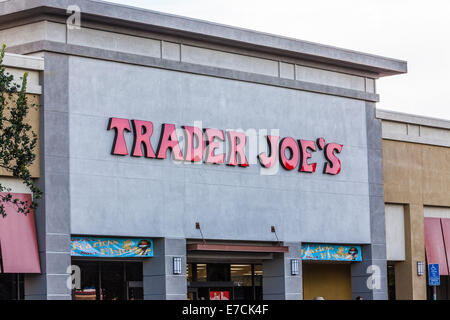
{"x": 219, "y": 295}
{"x": 292, "y": 153}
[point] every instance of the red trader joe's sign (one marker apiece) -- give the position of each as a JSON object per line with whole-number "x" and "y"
{"x": 201, "y": 145}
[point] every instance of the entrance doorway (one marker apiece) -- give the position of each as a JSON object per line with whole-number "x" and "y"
{"x": 109, "y": 280}
{"x": 11, "y": 286}
{"x": 391, "y": 280}
{"x": 224, "y": 281}
{"x": 331, "y": 281}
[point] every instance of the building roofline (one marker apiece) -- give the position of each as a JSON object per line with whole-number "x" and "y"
{"x": 412, "y": 119}
{"x": 143, "y": 19}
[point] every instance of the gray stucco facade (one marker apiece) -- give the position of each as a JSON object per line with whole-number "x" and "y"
{"x": 168, "y": 69}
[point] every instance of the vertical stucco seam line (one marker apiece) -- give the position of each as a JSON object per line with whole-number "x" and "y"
{"x": 184, "y": 201}
{"x": 68, "y": 150}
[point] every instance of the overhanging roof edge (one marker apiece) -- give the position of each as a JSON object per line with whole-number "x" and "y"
{"x": 208, "y": 31}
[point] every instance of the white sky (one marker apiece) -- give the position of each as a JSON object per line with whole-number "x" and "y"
{"x": 411, "y": 30}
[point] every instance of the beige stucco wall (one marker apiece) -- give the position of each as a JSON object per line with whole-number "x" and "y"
{"x": 415, "y": 175}
{"x": 33, "y": 119}
{"x": 17, "y": 65}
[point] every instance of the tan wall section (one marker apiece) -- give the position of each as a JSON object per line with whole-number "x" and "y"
{"x": 17, "y": 65}
{"x": 33, "y": 119}
{"x": 415, "y": 175}
{"x": 410, "y": 286}
{"x": 331, "y": 281}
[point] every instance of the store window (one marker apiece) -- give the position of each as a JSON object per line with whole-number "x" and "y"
{"x": 11, "y": 286}
{"x": 201, "y": 271}
{"x": 109, "y": 280}
{"x": 247, "y": 281}
{"x": 391, "y": 280}
{"x": 220, "y": 281}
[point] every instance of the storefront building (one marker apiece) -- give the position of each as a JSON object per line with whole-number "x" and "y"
{"x": 182, "y": 159}
{"x": 416, "y": 153}
{"x": 19, "y": 255}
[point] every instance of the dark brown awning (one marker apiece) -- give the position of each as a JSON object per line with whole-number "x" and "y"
{"x": 236, "y": 248}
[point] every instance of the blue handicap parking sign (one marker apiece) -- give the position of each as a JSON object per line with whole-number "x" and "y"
{"x": 433, "y": 274}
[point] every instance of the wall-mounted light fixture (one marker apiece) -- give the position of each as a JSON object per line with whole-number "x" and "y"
{"x": 272, "y": 229}
{"x": 177, "y": 265}
{"x": 294, "y": 267}
{"x": 420, "y": 268}
{"x": 197, "y": 226}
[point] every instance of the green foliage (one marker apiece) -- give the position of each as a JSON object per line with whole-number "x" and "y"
{"x": 17, "y": 140}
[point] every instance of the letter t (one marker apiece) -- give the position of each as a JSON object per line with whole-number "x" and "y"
{"x": 119, "y": 145}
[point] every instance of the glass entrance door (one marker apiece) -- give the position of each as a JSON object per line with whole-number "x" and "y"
{"x": 112, "y": 280}
{"x": 221, "y": 281}
{"x": 109, "y": 280}
{"x": 11, "y": 286}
